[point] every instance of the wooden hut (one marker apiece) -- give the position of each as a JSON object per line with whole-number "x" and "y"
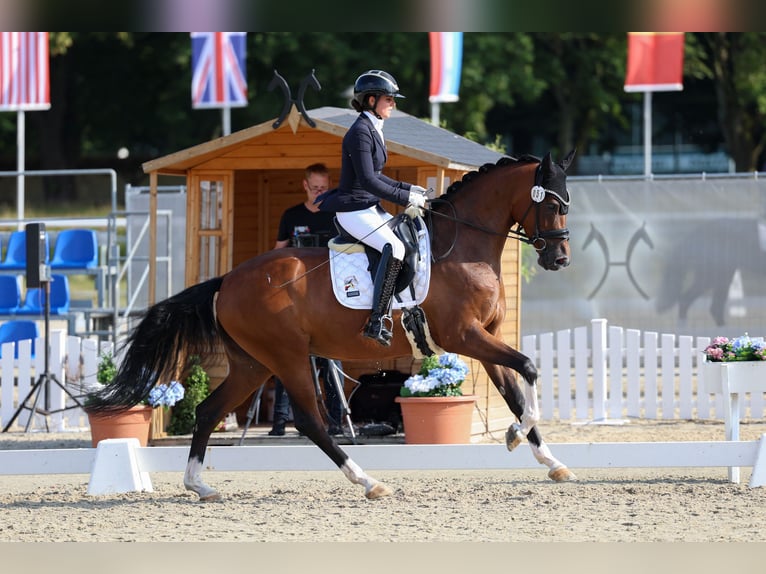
{"x": 239, "y": 185}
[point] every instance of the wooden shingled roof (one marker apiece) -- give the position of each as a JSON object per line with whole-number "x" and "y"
{"x": 406, "y": 135}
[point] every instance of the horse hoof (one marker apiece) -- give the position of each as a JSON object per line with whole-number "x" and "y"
{"x": 513, "y": 437}
{"x": 378, "y": 491}
{"x": 212, "y": 497}
{"x": 562, "y": 474}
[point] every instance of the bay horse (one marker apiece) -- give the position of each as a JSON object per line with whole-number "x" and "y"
{"x": 273, "y": 311}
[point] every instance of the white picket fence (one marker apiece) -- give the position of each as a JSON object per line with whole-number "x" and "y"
{"x": 604, "y": 372}
{"x": 590, "y": 373}
{"x": 73, "y": 362}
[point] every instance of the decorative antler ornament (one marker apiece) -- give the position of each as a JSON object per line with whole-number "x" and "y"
{"x": 309, "y": 80}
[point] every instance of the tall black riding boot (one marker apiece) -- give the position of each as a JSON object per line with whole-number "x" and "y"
{"x": 380, "y": 325}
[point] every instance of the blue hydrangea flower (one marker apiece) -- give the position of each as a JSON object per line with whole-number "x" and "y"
{"x": 438, "y": 378}
{"x": 166, "y": 395}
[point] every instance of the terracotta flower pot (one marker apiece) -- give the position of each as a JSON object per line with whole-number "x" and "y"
{"x": 133, "y": 423}
{"x": 437, "y": 420}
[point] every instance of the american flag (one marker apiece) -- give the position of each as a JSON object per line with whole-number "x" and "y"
{"x": 218, "y": 69}
{"x": 24, "y": 72}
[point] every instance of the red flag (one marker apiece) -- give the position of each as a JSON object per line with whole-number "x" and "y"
{"x": 24, "y": 73}
{"x": 655, "y": 62}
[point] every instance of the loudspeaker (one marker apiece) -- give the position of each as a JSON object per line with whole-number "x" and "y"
{"x": 37, "y": 270}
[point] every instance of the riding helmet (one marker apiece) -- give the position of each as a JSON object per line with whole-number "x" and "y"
{"x": 377, "y": 83}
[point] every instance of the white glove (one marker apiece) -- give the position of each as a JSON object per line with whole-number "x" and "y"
{"x": 417, "y": 199}
{"x": 418, "y": 189}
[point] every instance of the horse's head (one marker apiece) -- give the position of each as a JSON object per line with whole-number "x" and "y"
{"x": 545, "y": 220}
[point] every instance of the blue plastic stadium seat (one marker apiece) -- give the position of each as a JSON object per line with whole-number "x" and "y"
{"x": 33, "y": 304}
{"x": 16, "y": 254}
{"x": 10, "y": 294}
{"x": 18, "y": 330}
{"x": 75, "y": 249}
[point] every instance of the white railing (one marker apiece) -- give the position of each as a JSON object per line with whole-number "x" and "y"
{"x": 603, "y": 372}
{"x": 73, "y": 362}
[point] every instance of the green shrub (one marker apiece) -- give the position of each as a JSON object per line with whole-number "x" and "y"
{"x": 197, "y": 385}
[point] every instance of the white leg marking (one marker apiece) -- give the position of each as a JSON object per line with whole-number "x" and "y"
{"x": 356, "y": 475}
{"x": 531, "y": 413}
{"x": 193, "y": 481}
{"x": 544, "y": 456}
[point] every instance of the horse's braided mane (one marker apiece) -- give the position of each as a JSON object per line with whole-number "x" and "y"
{"x": 487, "y": 167}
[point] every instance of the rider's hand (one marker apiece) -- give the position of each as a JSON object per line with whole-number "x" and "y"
{"x": 417, "y": 199}
{"x": 418, "y": 189}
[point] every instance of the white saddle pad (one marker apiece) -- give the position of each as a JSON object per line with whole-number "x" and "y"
{"x": 352, "y": 284}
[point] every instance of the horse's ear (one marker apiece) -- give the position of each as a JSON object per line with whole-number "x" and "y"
{"x": 547, "y": 162}
{"x": 566, "y": 162}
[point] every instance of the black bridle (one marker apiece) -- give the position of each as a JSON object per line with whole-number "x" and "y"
{"x": 539, "y": 240}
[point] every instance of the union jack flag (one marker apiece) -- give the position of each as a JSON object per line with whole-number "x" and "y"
{"x": 218, "y": 69}
{"x": 24, "y": 72}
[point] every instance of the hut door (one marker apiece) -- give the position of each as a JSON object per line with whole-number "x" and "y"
{"x": 209, "y": 224}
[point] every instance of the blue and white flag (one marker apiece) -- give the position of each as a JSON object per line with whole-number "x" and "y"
{"x": 446, "y": 64}
{"x": 219, "y": 79}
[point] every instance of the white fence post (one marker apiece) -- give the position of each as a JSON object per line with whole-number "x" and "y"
{"x": 598, "y": 355}
{"x": 565, "y": 378}
{"x": 633, "y": 371}
{"x": 685, "y": 395}
{"x": 651, "y": 365}
{"x": 615, "y": 372}
{"x": 545, "y": 373}
{"x": 668, "y": 369}
{"x": 581, "y": 372}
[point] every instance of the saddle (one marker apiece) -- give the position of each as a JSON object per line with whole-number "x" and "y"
{"x": 408, "y": 230}
{"x": 405, "y": 228}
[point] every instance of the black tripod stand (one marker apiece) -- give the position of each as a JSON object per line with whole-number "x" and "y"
{"x": 42, "y": 385}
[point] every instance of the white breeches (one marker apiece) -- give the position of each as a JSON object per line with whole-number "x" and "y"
{"x": 369, "y": 227}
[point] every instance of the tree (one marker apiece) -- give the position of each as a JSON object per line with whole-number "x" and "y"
{"x": 530, "y": 92}
{"x": 735, "y": 62}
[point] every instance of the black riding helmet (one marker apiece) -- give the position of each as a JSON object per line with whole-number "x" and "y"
{"x": 374, "y": 83}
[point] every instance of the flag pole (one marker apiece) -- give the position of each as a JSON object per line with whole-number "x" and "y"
{"x": 648, "y": 135}
{"x": 226, "y": 120}
{"x": 20, "y": 160}
{"x": 435, "y": 113}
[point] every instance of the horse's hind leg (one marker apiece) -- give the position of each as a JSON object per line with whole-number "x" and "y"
{"x": 308, "y": 421}
{"x": 245, "y": 376}
{"x": 523, "y": 404}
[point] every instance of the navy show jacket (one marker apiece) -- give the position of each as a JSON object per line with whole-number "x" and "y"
{"x": 361, "y": 182}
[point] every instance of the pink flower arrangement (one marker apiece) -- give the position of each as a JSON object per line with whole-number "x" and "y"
{"x": 745, "y": 348}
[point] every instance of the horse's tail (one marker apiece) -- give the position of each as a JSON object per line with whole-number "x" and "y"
{"x": 169, "y": 332}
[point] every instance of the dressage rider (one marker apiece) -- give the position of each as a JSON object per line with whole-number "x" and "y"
{"x": 362, "y": 186}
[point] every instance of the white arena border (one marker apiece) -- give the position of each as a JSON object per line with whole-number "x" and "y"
{"x": 121, "y": 465}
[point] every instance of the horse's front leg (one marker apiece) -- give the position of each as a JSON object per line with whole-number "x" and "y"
{"x": 518, "y": 401}
{"x": 499, "y": 361}
{"x": 521, "y": 400}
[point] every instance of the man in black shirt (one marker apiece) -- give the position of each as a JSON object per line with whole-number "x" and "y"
{"x": 304, "y": 225}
